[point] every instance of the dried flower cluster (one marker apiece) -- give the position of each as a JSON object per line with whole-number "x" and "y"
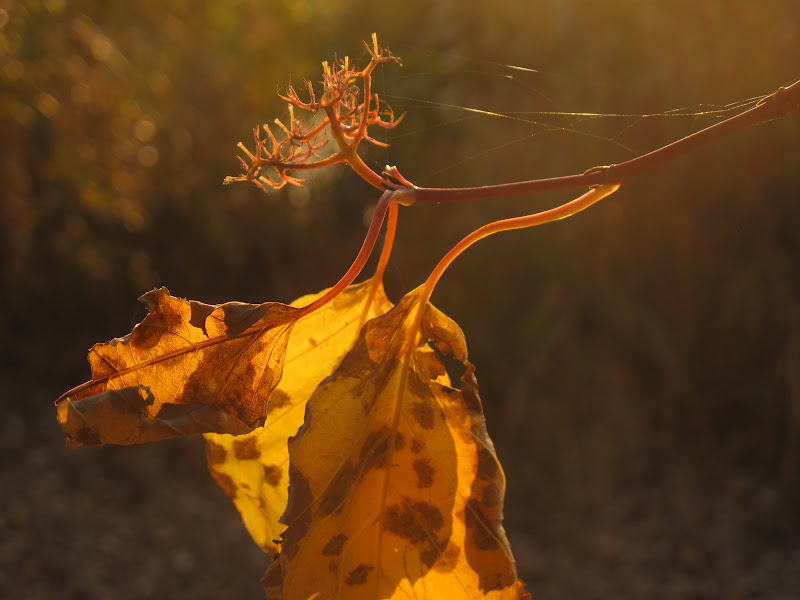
{"x": 349, "y": 109}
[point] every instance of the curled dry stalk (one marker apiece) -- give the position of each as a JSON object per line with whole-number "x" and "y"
{"x": 348, "y": 109}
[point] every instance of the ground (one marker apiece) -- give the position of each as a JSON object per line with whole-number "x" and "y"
{"x": 148, "y": 521}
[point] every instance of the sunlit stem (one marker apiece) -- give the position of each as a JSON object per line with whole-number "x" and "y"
{"x": 366, "y": 76}
{"x": 388, "y": 241}
{"x": 386, "y": 252}
{"x": 307, "y": 135}
{"x": 363, "y": 255}
{"x": 554, "y": 214}
{"x": 265, "y": 163}
{"x": 348, "y": 151}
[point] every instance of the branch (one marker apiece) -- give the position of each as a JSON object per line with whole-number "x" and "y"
{"x": 782, "y": 102}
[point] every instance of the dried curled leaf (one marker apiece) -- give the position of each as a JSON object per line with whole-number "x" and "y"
{"x": 187, "y": 368}
{"x": 253, "y": 468}
{"x": 395, "y": 490}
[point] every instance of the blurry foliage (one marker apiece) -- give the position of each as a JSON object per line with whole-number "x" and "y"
{"x": 665, "y": 323}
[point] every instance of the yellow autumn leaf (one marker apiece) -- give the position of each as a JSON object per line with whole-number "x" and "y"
{"x": 395, "y": 488}
{"x": 253, "y": 468}
{"x": 187, "y": 368}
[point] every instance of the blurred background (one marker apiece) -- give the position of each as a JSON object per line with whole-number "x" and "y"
{"x": 639, "y": 364}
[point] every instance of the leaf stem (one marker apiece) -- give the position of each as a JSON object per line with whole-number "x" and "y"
{"x": 388, "y": 242}
{"x": 386, "y": 252}
{"x": 363, "y": 255}
{"x": 554, "y": 214}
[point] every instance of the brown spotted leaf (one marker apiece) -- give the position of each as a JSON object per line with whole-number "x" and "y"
{"x": 395, "y": 490}
{"x": 253, "y": 468}
{"x": 187, "y": 368}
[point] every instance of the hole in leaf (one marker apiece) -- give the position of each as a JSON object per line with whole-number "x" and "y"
{"x": 454, "y": 367}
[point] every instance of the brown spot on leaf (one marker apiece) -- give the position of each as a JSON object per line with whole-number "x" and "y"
{"x": 469, "y": 387}
{"x": 485, "y": 549}
{"x": 225, "y": 482}
{"x": 246, "y": 448}
{"x": 424, "y": 472}
{"x": 492, "y": 496}
{"x": 84, "y": 437}
{"x": 399, "y": 441}
{"x": 335, "y": 545}
{"x": 300, "y": 496}
{"x": 239, "y": 316}
{"x": 417, "y": 387}
{"x": 413, "y": 521}
{"x": 337, "y": 490}
{"x": 273, "y": 474}
{"x": 358, "y": 576}
{"x": 375, "y": 451}
{"x": 490, "y": 582}
{"x": 448, "y": 559}
{"x": 488, "y": 468}
{"x": 428, "y": 554}
{"x": 355, "y": 363}
{"x": 423, "y": 414}
{"x": 278, "y": 399}
{"x": 417, "y": 446}
{"x": 481, "y": 529}
{"x": 295, "y": 534}
{"x": 215, "y": 454}
{"x": 211, "y": 383}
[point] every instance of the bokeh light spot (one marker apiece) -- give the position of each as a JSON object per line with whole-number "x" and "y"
{"x": 147, "y": 156}
{"x": 47, "y": 104}
{"x": 55, "y": 6}
{"x": 101, "y": 47}
{"x": 13, "y": 70}
{"x": 144, "y": 130}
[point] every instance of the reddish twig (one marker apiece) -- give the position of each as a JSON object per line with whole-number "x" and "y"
{"x": 782, "y": 102}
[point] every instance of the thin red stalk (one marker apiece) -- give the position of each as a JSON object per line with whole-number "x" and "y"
{"x": 386, "y": 252}
{"x": 366, "y": 250}
{"x": 367, "y": 91}
{"x": 325, "y": 162}
{"x": 307, "y": 135}
{"x": 554, "y": 214}
{"x": 388, "y": 241}
{"x": 781, "y": 103}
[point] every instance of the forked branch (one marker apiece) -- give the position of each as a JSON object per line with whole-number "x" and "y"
{"x": 346, "y": 108}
